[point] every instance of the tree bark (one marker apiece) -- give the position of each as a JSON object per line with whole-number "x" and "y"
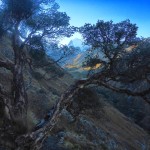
{"x": 20, "y": 99}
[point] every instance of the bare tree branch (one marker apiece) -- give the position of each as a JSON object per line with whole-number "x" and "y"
{"x": 7, "y": 64}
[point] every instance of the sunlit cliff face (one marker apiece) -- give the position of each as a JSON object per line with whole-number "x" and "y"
{"x": 71, "y": 66}
{"x": 131, "y": 48}
{"x": 92, "y": 68}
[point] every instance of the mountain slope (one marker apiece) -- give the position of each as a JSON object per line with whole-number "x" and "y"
{"x": 92, "y": 124}
{"x": 89, "y": 123}
{"x": 44, "y": 85}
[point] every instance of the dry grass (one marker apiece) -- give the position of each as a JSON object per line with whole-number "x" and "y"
{"x": 42, "y": 93}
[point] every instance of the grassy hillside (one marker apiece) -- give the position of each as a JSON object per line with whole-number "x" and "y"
{"x": 90, "y": 123}
{"x": 44, "y": 86}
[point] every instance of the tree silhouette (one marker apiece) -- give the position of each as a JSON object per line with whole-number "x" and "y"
{"x": 121, "y": 54}
{"x": 30, "y": 24}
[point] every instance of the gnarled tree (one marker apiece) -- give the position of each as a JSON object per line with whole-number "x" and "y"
{"x": 121, "y": 54}
{"x": 25, "y": 21}
{"x": 119, "y": 63}
{"x": 28, "y": 20}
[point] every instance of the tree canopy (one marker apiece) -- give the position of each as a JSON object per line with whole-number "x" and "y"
{"x": 109, "y": 39}
{"x": 121, "y": 54}
{"x": 40, "y": 18}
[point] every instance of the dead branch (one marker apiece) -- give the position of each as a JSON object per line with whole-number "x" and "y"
{"x": 7, "y": 64}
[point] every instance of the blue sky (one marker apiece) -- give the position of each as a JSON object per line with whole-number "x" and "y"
{"x": 89, "y": 11}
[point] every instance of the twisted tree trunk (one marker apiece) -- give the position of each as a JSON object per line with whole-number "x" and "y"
{"x": 20, "y": 100}
{"x": 34, "y": 140}
{"x": 14, "y": 104}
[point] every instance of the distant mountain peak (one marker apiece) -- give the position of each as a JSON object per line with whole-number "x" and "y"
{"x": 76, "y": 43}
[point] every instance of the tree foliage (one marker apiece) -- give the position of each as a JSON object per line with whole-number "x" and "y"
{"x": 109, "y": 40}
{"x": 18, "y": 10}
{"x": 124, "y": 57}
